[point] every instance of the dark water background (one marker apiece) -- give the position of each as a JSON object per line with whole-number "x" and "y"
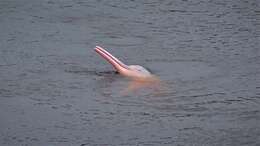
{"x": 56, "y": 91}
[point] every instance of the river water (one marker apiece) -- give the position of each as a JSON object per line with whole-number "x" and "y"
{"x": 56, "y": 91}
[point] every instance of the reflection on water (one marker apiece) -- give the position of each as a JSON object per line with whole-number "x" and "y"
{"x": 112, "y": 84}
{"x": 152, "y": 85}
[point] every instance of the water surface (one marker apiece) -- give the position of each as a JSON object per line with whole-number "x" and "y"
{"x": 55, "y": 90}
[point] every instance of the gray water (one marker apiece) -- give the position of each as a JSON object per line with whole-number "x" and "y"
{"x": 56, "y": 91}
